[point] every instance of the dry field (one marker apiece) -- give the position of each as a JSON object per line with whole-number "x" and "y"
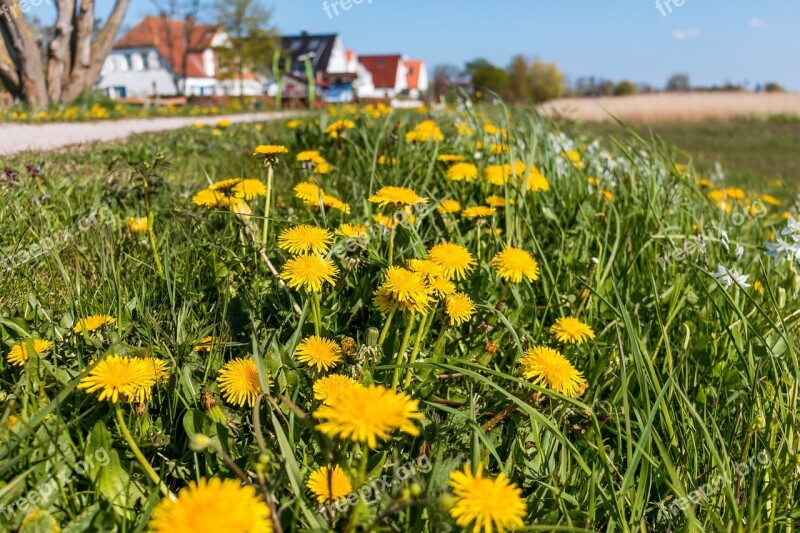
{"x": 675, "y": 107}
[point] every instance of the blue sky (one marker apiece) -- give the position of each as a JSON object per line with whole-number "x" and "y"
{"x": 713, "y": 40}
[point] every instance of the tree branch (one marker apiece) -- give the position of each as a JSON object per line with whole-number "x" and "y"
{"x": 104, "y": 43}
{"x": 58, "y": 51}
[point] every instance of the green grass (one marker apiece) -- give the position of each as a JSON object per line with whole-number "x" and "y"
{"x": 753, "y": 152}
{"x": 686, "y": 380}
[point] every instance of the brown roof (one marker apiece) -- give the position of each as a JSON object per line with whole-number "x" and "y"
{"x": 169, "y": 37}
{"x": 383, "y": 69}
{"x": 413, "y": 68}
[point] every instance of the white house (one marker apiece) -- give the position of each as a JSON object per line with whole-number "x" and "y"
{"x": 162, "y": 56}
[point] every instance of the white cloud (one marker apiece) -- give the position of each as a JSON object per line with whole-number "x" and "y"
{"x": 758, "y": 24}
{"x": 682, "y": 35}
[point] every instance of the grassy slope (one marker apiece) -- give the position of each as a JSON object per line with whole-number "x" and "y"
{"x": 686, "y": 380}
{"x": 750, "y": 151}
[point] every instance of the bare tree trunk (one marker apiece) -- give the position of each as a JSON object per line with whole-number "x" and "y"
{"x": 58, "y": 51}
{"x": 81, "y": 51}
{"x": 20, "y": 62}
{"x": 104, "y": 43}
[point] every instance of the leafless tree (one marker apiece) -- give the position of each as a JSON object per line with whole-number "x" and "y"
{"x": 74, "y": 56}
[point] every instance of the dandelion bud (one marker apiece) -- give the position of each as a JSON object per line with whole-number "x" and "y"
{"x": 446, "y": 502}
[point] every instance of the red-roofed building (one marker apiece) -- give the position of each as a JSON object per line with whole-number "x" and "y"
{"x": 162, "y": 56}
{"x": 389, "y": 77}
{"x": 416, "y": 77}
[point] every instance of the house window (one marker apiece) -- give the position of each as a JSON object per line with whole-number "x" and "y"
{"x": 152, "y": 61}
{"x": 381, "y": 63}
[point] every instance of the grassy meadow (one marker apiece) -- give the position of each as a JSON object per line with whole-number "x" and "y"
{"x": 527, "y": 329}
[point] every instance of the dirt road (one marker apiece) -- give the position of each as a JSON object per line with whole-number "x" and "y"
{"x": 16, "y": 138}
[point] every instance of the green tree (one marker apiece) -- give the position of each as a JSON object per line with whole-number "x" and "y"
{"x": 520, "y": 86}
{"x": 547, "y": 81}
{"x": 625, "y": 88}
{"x": 486, "y": 76}
{"x": 252, "y": 39}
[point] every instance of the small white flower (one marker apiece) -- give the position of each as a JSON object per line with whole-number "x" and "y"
{"x": 729, "y": 277}
{"x": 739, "y": 252}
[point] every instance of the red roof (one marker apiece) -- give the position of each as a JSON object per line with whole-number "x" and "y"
{"x": 168, "y": 36}
{"x": 383, "y": 69}
{"x": 413, "y": 67}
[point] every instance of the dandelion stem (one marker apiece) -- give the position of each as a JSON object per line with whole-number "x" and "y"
{"x": 391, "y": 245}
{"x": 139, "y": 456}
{"x": 415, "y": 351}
{"x": 150, "y": 232}
{"x": 385, "y": 330}
{"x": 267, "y": 206}
{"x": 399, "y": 360}
{"x": 362, "y": 478}
{"x": 316, "y": 310}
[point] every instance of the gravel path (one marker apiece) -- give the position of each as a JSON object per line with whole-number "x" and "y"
{"x": 16, "y": 138}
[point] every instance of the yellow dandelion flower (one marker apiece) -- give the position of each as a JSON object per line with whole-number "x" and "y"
{"x": 329, "y": 387}
{"x": 498, "y": 201}
{"x": 336, "y": 128}
{"x": 366, "y": 414}
{"x": 224, "y": 123}
{"x": 321, "y": 166}
{"x": 249, "y": 189}
{"x": 396, "y": 197}
{"x": 464, "y": 130}
{"x": 239, "y": 382}
{"x": 485, "y": 503}
{"x": 304, "y": 239}
{"x": 307, "y": 155}
{"x": 206, "y": 344}
{"x": 575, "y": 158}
{"x": 352, "y": 231}
{"x": 512, "y": 264}
{"x": 385, "y": 221}
{"x": 269, "y": 152}
{"x": 309, "y": 272}
{"x": 536, "y": 180}
{"x": 407, "y": 288}
{"x": 442, "y": 287}
{"x": 449, "y": 206}
{"x": 462, "y": 172}
{"x": 426, "y": 131}
{"x": 450, "y": 158}
{"x": 11, "y": 421}
{"x": 93, "y": 323}
{"x": 213, "y": 505}
{"x": 309, "y": 192}
{"x": 758, "y": 287}
{"x": 496, "y": 174}
{"x": 328, "y": 484}
{"x": 387, "y": 160}
{"x": 479, "y": 211}
{"x": 294, "y": 124}
{"x": 770, "y": 199}
{"x": 116, "y": 375}
{"x": 319, "y": 353}
{"x": 137, "y": 225}
{"x": 225, "y": 186}
{"x": 455, "y": 260}
{"x": 332, "y": 202}
{"x": 571, "y": 330}
{"x": 210, "y": 199}
{"x": 426, "y": 267}
{"x": 546, "y": 367}
{"x": 20, "y": 353}
{"x": 497, "y": 148}
{"x": 459, "y": 308}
